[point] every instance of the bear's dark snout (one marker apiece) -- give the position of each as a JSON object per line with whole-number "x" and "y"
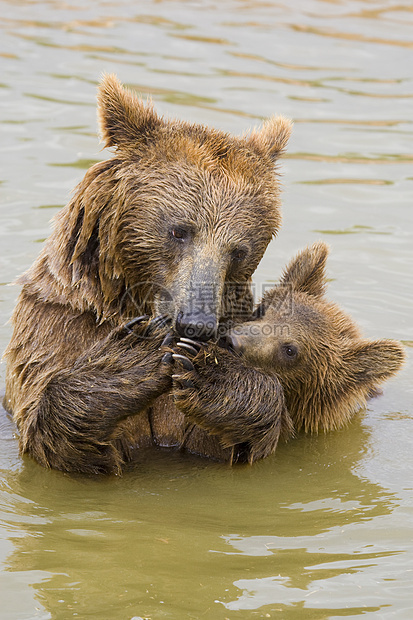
{"x": 230, "y": 342}
{"x": 197, "y": 325}
{"x": 199, "y": 291}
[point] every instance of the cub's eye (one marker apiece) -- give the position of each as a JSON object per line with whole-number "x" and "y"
{"x": 179, "y": 233}
{"x": 290, "y": 351}
{"x": 239, "y": 255}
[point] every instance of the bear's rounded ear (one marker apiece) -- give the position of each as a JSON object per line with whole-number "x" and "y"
{"x": 370, "y": 362}
{"x": 124, "y": 119}
{"x": 271, "y": 138}
{"x": 307, "y": 271}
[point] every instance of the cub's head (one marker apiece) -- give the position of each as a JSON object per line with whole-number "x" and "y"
{"x": 325, "y": 366}
{"x": 182, "y": 214}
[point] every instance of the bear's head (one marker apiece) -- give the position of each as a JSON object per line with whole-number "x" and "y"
{"x": 177, "y": 221}
{"x": 326, "y": 368}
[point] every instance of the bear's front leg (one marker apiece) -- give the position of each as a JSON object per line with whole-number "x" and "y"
{"x": 244, "y": 407}
{"x": 84, "y": 417}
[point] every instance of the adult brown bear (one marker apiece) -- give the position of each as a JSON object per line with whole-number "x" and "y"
{"x": 176, "y": 222}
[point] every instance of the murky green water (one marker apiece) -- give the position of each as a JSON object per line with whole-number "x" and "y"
{"x": 324, "y": 528}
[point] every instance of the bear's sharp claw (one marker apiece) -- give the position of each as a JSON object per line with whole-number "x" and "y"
{"x": 167, "y": 340}
{"x": 185, "y": 384}
{"x": 167, "y": 358}
{"x": 159, "y": 321}
{"x": 193, "y": 343}
{"x": 188, "y": 347}
{"x": 135, "y": 321}
{"x": 186, "y": 363}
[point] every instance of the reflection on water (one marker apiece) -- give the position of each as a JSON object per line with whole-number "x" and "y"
{"x": 321, "y": 529}
{"x": 179, "y": 526}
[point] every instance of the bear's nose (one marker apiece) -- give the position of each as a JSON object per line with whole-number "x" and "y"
{"x": 196, "y": 325}
{"x": 233, "y": 342}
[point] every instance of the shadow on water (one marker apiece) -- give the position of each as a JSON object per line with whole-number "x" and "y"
{"x": 184, "y": 537}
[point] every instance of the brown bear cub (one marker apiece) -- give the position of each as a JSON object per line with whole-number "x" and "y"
{"x": 306, "y": 343}
{"x": 174, "y": 223}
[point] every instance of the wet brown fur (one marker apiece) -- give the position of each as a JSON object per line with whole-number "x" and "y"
{"x": 244, "y": 405}
{"x": 335, "y": 369}
{"x": 79, "y": 387}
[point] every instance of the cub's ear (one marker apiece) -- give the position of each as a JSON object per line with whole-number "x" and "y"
{"x": 370, "y": 362}
{"x": 271, "y": 138}
{"x": 306, "y": 272}
{"x": 123, "y": 118}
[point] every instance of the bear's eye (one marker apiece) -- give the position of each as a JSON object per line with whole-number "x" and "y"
{"x": 290, "y": 351}
{"x": 238, "y": 255}
{"x": 179, "y": 233}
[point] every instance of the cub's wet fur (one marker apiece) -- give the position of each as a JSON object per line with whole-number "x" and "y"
{"x": 327, "y": 369}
